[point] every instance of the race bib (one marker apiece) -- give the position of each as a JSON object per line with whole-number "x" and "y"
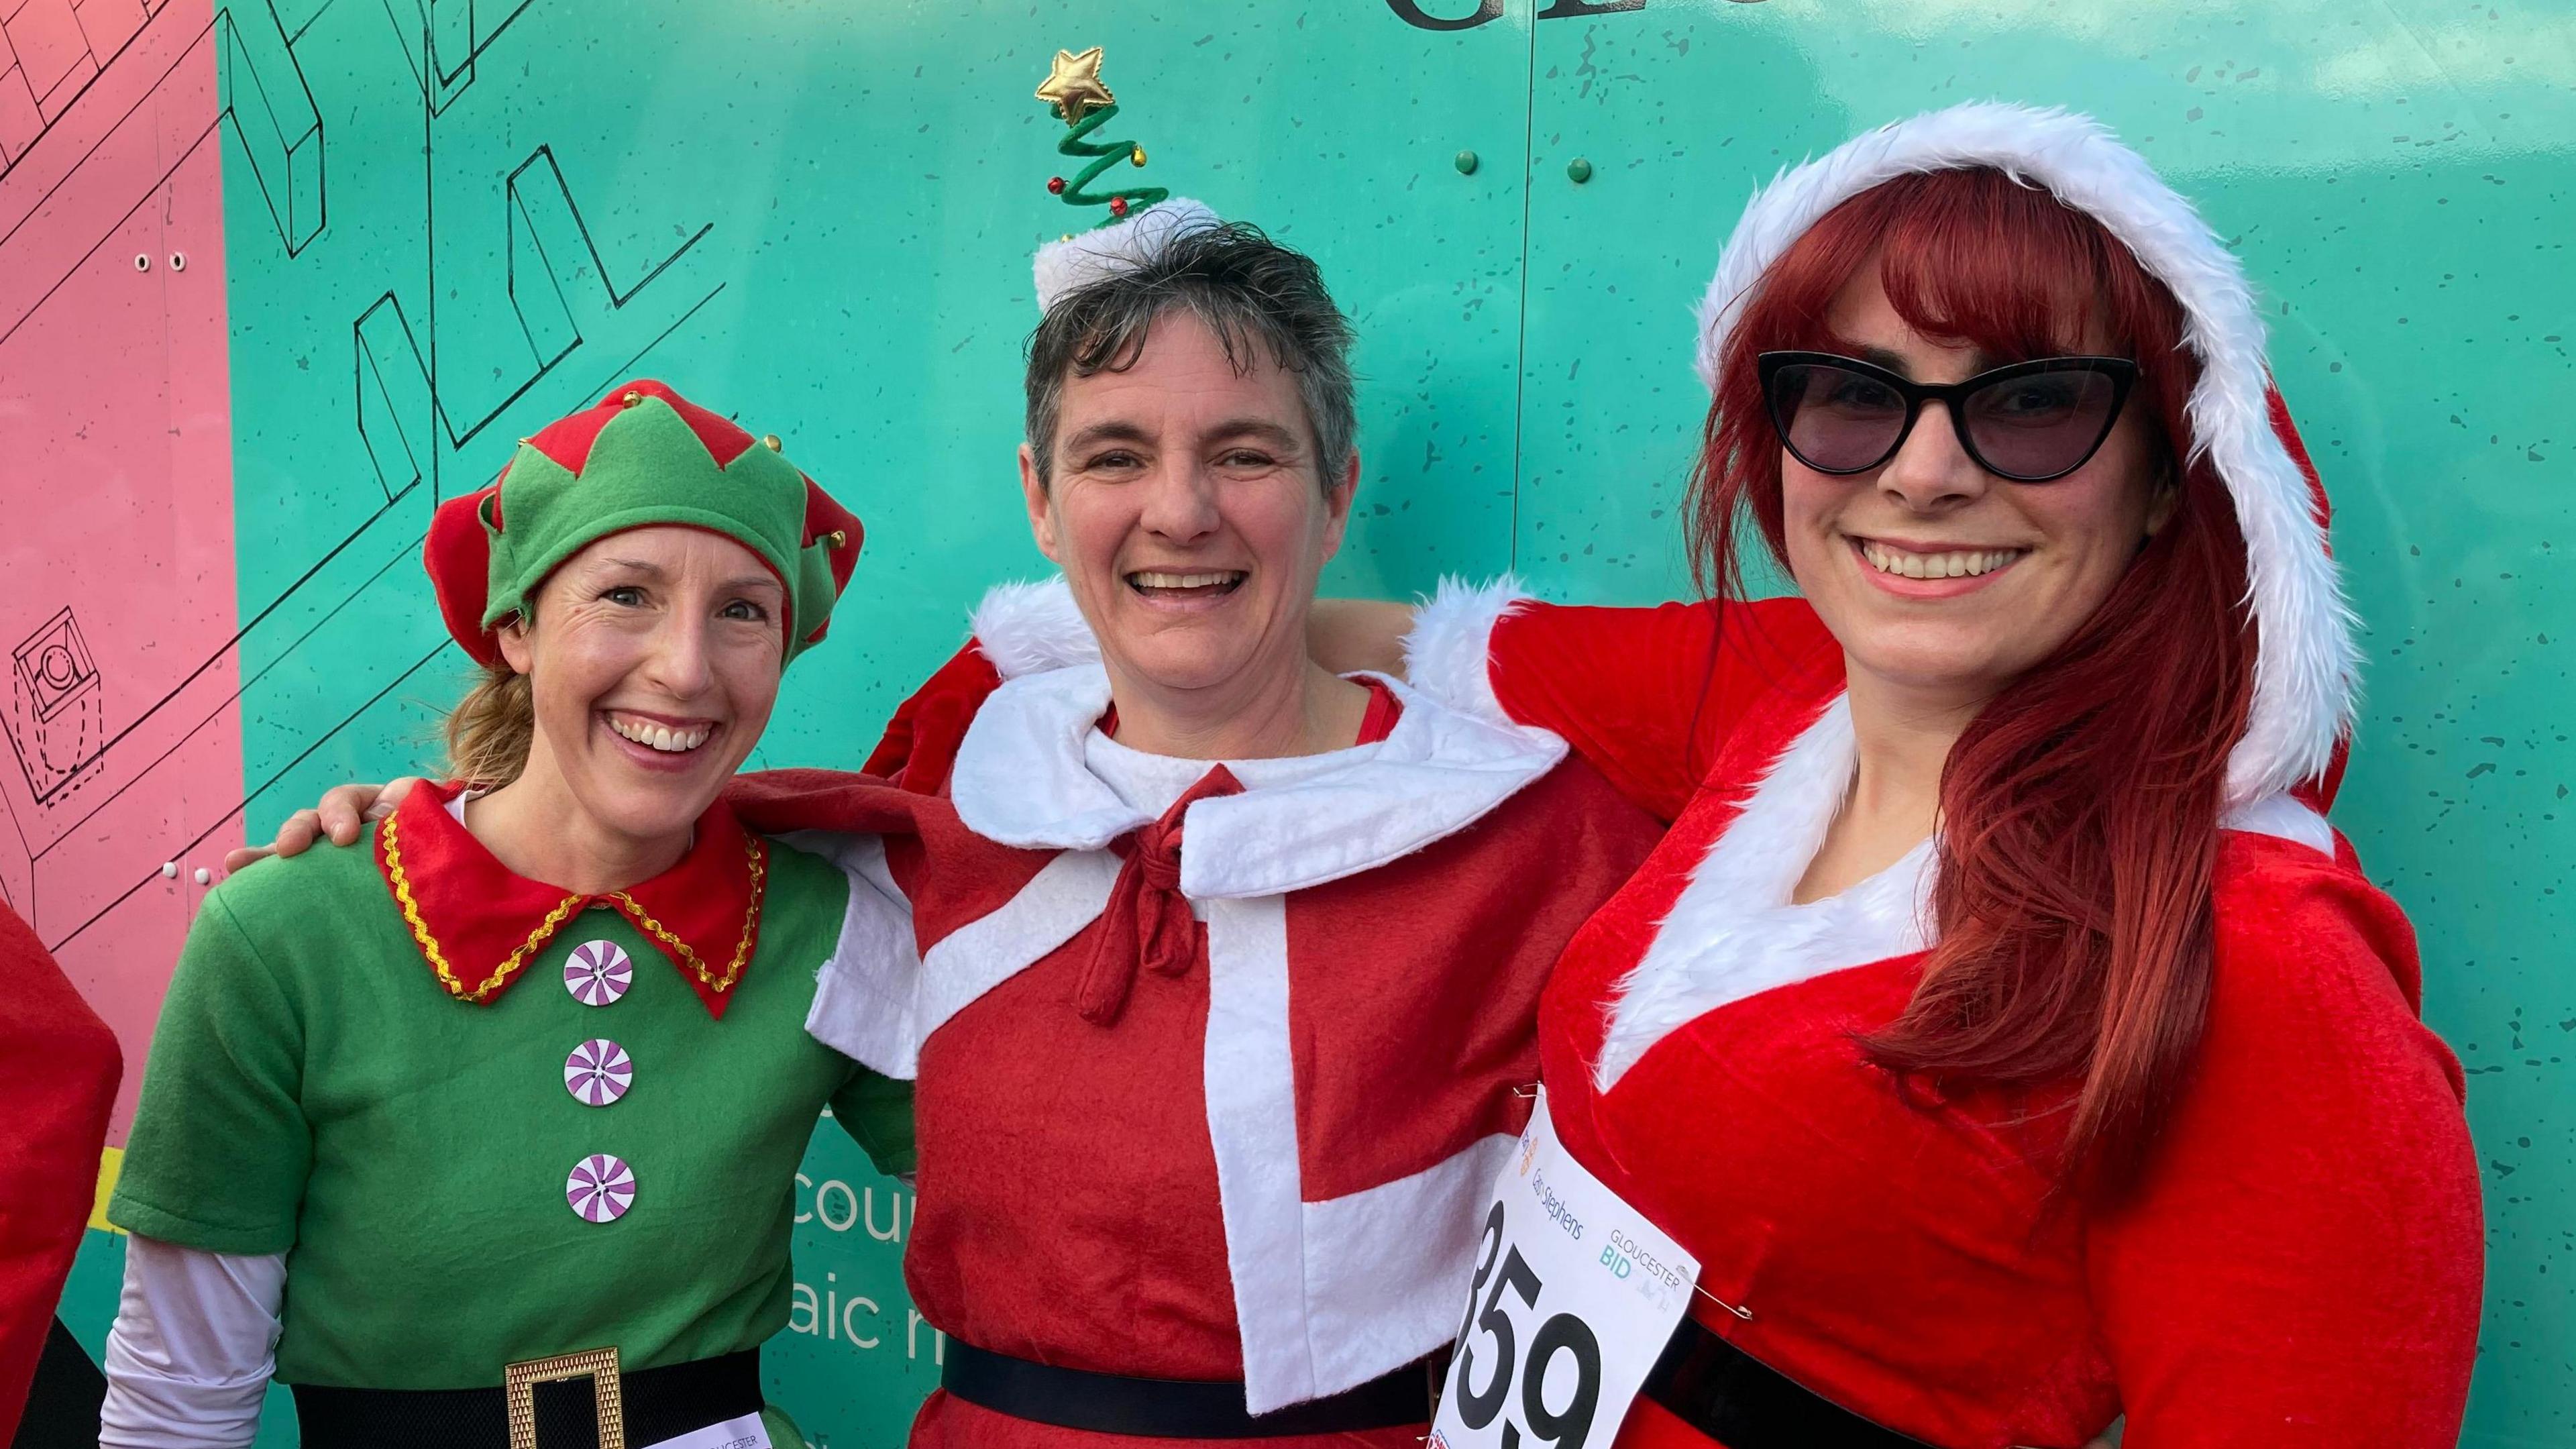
{"x": 746, "y": 1432}
{"x": 1574, "y": 1298}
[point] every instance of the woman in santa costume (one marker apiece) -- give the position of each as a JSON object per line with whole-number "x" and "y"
{"x": 1220, "y": 984}
{"x": 2001, "y": 1026}
{"x": 487, "y": 1135}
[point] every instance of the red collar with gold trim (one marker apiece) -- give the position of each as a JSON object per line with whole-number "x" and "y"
{"x": 478, "y": 925}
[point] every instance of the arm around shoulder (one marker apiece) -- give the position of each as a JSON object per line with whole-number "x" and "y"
{"x": 1349, "y": 636}
{"x": 1644, "y": 695}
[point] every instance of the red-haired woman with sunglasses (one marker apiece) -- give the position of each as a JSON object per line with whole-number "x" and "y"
{"x": 2001, "y": 1025}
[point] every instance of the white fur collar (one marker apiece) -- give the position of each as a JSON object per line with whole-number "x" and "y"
{"x": 2304, "y": 680}
{"x": 1733, "y": 933}
{"x": 1021, "y": 779}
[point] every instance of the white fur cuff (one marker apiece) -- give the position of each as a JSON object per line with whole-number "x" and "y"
{"x": 1445, "y": 655}
{"x": 1032, "y": 628}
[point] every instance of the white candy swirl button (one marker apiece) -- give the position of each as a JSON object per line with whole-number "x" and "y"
{"x": 598, "y": 1072}
{"x": 601, "y": 1188}
{"x": 598, "y": 972}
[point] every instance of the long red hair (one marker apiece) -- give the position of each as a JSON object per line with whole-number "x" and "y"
{"x": 2079, "y": 810}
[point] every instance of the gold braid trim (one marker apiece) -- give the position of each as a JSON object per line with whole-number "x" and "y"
{"x": 741, "y": 949}
{"x": 510, "y": 966}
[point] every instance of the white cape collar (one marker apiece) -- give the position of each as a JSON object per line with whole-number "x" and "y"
{"x": 1734, "y": 932}
{"x": 1021, "y": 780}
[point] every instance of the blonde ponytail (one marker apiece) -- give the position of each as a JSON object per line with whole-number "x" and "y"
{"x": 489, "y": 731}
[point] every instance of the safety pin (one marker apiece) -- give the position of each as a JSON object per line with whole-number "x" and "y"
{"x": 1746, "y": 1314}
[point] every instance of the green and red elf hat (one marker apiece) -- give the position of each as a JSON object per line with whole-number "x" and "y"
{"x": 643, "y": 457}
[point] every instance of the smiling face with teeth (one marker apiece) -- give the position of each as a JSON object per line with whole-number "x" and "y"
{"x": 1185, "y": 508}
{"x": 1941, "y": 580}
{"x": 654, "y": 660}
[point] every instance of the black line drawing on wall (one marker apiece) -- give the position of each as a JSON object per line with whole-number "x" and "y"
{"x": 84, "y": 770}
{"x": 55, "y": 702}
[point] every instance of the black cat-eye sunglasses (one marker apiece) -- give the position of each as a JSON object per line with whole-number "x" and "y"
{"x": 2031, "y": 422}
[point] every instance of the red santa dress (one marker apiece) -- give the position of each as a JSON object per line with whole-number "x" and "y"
{"x": 1214, "y": 1064}
{"x": 2301, "y": 1264}
{"x": 59, "y": 1066}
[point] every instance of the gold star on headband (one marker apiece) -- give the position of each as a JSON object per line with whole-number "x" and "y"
{"x": 1074, "y": 87}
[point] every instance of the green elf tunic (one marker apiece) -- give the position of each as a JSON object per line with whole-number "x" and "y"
{"x": 490, "y": 1121}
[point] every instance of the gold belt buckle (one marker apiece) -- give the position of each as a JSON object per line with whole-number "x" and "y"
{"x": 519, "y": 1392}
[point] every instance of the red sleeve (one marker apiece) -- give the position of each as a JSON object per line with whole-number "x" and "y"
{"x": 913, "y": 758}
{"x": 2303, "y": 1265}
{"x": 1647, "y": 695}
{"x": 914, "y": 755}
{"x": 920, "y": 743}
{"x": 58, "y": 1071}
{"x": 774, "y": 802}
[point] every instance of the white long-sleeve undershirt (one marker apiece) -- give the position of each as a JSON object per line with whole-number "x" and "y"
{"x": 194, "y": 1346}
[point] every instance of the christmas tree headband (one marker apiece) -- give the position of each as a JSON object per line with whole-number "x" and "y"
{"x": 643, "y": 457}
{"x": 1140, "y": 220}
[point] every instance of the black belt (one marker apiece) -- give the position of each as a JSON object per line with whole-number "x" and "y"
{"x": 1743, "y": 1403}
{"x": 660, "y": 1403}
{"x": 1175, "y": 1408}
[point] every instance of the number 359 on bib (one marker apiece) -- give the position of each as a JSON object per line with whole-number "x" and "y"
{"x": 1573, "y": 1298}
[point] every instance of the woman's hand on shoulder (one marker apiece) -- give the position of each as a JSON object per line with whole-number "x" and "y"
{"x": 341, "y": 817}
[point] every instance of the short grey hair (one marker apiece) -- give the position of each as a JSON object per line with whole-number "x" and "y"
{"x": 1247, "y": 289}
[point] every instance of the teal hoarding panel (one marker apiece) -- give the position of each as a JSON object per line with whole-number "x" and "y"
{"x": 856, "y": 1357}
{"x": 449, "y": 223}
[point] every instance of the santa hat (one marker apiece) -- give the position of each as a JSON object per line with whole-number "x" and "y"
{"x": 643, "y": 457}
{"x": 2304, "y": 674}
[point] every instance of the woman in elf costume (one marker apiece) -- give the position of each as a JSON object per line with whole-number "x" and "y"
{"x": 2001, "y": 1025}
{"x": 491, "y": 1130}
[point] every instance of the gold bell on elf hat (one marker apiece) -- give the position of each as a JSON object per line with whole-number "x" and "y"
{"x": 643, "y": 457}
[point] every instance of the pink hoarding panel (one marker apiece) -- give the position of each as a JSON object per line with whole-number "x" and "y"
{"x": 122, "y": 775}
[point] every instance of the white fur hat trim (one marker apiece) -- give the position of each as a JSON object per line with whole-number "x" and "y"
{"x": 1088, "y": 256}
{"x": 2305, "y": 677}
